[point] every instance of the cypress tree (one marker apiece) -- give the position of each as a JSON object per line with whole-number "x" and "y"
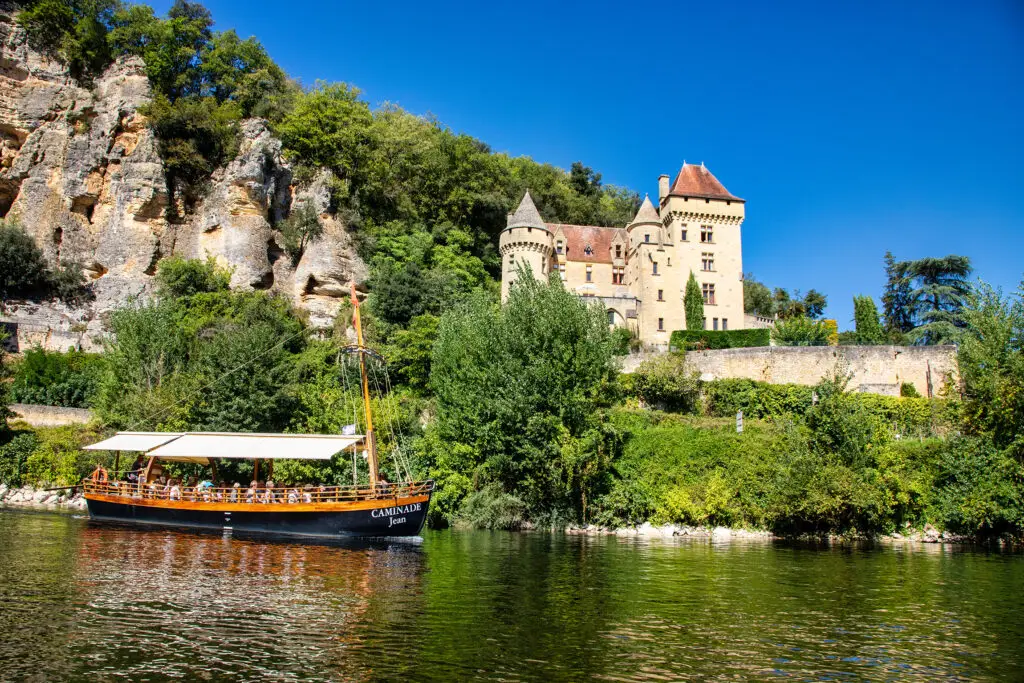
{"x": 865, "y": 317}
{"x": 693, "y": 304}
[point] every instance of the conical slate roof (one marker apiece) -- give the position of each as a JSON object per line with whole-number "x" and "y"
{"x": 647, "y": 213}
{"x": 697, "y": 181}
{"x": 526, "y": 216}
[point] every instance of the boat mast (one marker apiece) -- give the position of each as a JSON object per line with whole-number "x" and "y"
{"x": 371, "y": 440}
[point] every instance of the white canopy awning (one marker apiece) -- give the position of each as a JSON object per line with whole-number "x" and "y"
{"x": 201, "y": 446}
{"x": 134, "y": 441}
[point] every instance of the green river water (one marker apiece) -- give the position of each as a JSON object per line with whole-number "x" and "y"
{"x": 81, "y": 602}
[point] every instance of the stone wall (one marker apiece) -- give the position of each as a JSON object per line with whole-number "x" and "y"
{"x": 49, "y": 416}
{"x": 875, "y": 369}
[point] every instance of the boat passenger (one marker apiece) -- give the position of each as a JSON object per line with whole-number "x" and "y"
{"x": 251, "y": 493}
{"x": 293, "y": 496}
{"x": 175, "y": 492}
{"x": 268, "y": 495}
{"x": 307, "y": 493}
{"x": 233, "y": 494}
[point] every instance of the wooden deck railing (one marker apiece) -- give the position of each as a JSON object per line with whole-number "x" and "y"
{"x": 281, "y": 495}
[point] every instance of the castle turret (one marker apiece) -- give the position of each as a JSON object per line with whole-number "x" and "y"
{"x": 652, "y": 278}
{"x": 526, "y": 240}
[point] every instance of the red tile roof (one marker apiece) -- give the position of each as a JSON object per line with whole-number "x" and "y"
{"x": 577, "y": 238}
{"x": 697, "y": 181}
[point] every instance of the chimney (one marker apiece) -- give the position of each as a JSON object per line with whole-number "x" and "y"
{"x": 662, "y": 188}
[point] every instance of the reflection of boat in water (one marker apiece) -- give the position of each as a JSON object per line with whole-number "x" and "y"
{"x": 376, "y": 509}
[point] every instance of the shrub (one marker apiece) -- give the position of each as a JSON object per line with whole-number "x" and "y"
{"x": 178, "y": 277}
{"x": 757, "y": 400}
{"x": 13, "y": 455}
{"x": 491, "y": 508}
{"x": 299, "y": 229}
{"x": 683, "y": 340}
{"x": 977, "y": 489}
{"x": 22, "y": 268}
{"x": 56, "y": 379}
{"x": 664, "y": 382}
{"x": 908, "y": 390}
{"x": 801, "y": 331}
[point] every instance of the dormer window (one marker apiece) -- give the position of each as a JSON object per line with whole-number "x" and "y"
{"x": 559, "y": 247}
{"x": 588, "y": 250}
{"x": 618, "y": 251}
{"x": 647, "y": 238}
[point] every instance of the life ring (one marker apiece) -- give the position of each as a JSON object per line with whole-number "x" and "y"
{"x": 99, "y": 475}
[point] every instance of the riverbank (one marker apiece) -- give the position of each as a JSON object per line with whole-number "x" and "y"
{"x": 41, "y": 499}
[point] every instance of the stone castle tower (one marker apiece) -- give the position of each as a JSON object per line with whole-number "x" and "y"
{"x": 639, "y": 272}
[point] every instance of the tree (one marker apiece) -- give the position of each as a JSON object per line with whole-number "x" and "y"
{"x": 865, "y": 317}
{"x": 814, "y": 303}
{"x": 665, "y": 382}
{"x": 991, "y": 359}
{"x": 800, "y": 331}
{"x": 515, "y": 386}
{"x": 941, "y": 291}
{"x": 73, "y": 31}
{"x": 178, "y": 277}
{"x": 897, "y": 300}
{"x": 757, "y": 298}
{"x": 693, "y": 304}
{"x": 300, "y": 228}
{"x": 22, "y": 268}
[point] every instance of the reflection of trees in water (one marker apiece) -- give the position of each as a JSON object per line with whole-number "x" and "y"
{"x": 243, "y": 607}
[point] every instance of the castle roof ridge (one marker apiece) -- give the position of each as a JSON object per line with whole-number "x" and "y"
{"x": 526, "y": 216}
{"x": 646, "y": 214}
{"x": 698, "y": 181}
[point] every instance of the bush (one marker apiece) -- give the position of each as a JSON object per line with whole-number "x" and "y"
{"x": 664, "y": 382}
{"x": 908, "y": 390}
{"x": 977, "y": 489}
{"x": 178, "y": 277}
{"x": 13, "y": 455}
{"x": 24, "y": 272}
{"x": 801, "y": 331}
{"x": 683, "y": 340}
{"x": 56, "y": 379}
{"x": 491, "y": 508}
{"x": 757, "y": 400}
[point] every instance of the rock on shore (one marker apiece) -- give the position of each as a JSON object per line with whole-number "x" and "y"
{"x": 40, "y": 499}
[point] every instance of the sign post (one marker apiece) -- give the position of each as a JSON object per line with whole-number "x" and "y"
{"x": 739, "y": 421}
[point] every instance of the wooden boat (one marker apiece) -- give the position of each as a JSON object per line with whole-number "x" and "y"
{"x": 378, "y": 508}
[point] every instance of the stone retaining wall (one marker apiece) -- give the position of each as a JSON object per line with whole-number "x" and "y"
{"x": 49, "y": 416}
{"x": 39, "y": 499}
{"x": 875, "y": 369}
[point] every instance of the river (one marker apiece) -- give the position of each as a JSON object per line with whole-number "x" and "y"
{"x": 81, "y": 602}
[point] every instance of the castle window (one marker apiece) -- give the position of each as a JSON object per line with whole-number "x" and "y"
{"x": 561, "y": 271}
{"x": 725, "y": 324}
{"x": 708, "y": 290}
{"x": 715, "y": 322}
{"x": 707, "y": 234}
{"x": 618, "y": 251}
{"x": 682, "y": 233}
{"x": 558, "y": 246}
{"x": 588, "y": 250}
{"x": 618, "y": 275}
{"x": 661, "y": 324}
{"x": 611, "y": 317}
{"x": 669, "y": 261}
{"x": 707, "y": 261}
{"x": 590, "y": 273}
{"x": 655, "y": 264}
{"x": 661, "y": 295}
{"x": 647, "y": 238}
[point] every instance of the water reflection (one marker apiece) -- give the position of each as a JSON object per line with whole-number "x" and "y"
{"x": 81, "y": 602}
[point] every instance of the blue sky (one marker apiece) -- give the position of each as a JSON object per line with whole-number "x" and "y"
{"x": 849, "y": 128}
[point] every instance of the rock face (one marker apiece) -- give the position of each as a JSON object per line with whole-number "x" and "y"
{"x": 80, "y": 171}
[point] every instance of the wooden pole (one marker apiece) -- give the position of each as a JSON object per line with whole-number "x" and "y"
{"x": 371, "y": 442}
{"x": 256, "y": 470}
{"x": 117, "y": 462}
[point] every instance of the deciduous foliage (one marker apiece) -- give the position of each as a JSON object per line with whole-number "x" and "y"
{"x": 25, "y": 273}
{"x": 56, "y": 379}
{"x": 515, "y": 387}
{"x": 757, "y": 298}
{"x": 800, "y": 331}
{"x": 693, "y": 304}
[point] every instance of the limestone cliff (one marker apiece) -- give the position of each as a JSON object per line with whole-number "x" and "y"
{"x": 80, "y": 171}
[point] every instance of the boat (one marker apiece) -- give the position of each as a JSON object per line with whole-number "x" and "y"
{"x": 378, "y": 508}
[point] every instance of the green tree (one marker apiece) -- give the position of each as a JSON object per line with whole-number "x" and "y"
{"x": 300, "y": 228}
{"x": 991, "y": 359}
{"x": 514, "y": 385}
{"x": 800, "y": 331}
{"x": 693, "y": 304}
{"x": 73, "y": 31}
{"x": 865, "y": 317}
{"x": 941, "y": 290}
{"x": 409, "y": 351}
{"x": 178, "y": 277}
{"x": 757, "y": 298}
{"x": 23, "y": 271}
{"x": 665, "y": 382}
{"x": 814, "y": 303}
{"x": 897, "y": 300}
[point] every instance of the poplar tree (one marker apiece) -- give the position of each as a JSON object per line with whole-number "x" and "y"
{"x": 693, "y": 304}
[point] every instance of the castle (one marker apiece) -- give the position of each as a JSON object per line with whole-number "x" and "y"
{"x": 639, "y": 272}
